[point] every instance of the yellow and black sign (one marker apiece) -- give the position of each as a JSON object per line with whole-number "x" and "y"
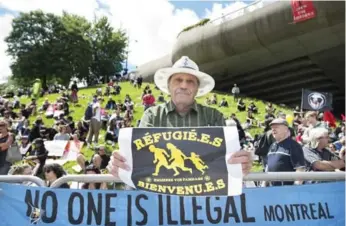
{"x": 180, "y": 161}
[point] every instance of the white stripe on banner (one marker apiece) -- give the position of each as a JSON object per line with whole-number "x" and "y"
{"x": 125, "y": 149}
{"x": 235, "y": 175}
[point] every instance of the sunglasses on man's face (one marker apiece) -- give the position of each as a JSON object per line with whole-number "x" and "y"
{"x": 2, "y": 125}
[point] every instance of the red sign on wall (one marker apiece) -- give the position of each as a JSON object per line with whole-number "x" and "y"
{"x": 302, "y": 10}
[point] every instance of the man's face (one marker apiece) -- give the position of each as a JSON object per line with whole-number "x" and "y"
{"x": 279, "y": 131}
{"x": 183, "y": 88}
{"x": 311, "y": 120}
{"x": 323, "y": 141}
{"x": 102, "y": 151}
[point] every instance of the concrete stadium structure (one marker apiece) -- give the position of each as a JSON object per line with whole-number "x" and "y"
{"x": 267, "y": 55}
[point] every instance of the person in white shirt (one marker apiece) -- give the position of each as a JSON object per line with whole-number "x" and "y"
{"x": 95, "y": 123}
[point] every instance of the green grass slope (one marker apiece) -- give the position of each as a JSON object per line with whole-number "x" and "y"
{"x": 77, "y": 112}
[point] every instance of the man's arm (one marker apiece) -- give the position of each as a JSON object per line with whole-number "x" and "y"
{"x": 328, "y": 165}
{"x": 317, "y": 163}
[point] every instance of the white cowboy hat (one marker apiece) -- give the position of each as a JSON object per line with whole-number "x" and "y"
{"x": 187, "y": 66}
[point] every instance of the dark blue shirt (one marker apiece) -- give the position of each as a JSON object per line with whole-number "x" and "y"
{"x": 285, "y": 156}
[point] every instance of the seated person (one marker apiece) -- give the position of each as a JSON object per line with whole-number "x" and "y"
{"x": 213, "y": 99}
{"x": 66, "y": 107}
{"x": 37, "y": 129}
{"x": 108, "y": 91}
{"x": 270, "y": 109}
{"x": 120, "y": 107}
{"x": 25, "y": 146}
{"x": 161, "y": 98}
{"x": 45, "y": 105}
{"x": 62, "y": 134}
{"x": 24, "y": 130}
{"x": 99, "y": 92}
{"x": 52, "y": 172}
{"x": 129, "y": 104}
{"x": 207, "y": 101}
{"x": 117, "y": 88}
{"x": 25, "y": 112}
{"x": 40, "y": 153}
{"x": 112, "y": 131}
{"x": 316, "y": 154}
{"x": 70, "y": 125}
{"x": 252, "y": 107}
{"x": 100, "y": 159}
{"x": 32, "y": 107}
{"x": 127, "y": 98}
{"x": 111, "y": 105}
{"x": 148, "y": 100}
{"x": 16, "y": 102}
{"x": 241, "y": 105}
{"x": 19, "y": 121}
{"x": 224, "y": 102}
{"x": 250, "y": 118}
{"x": 13, "y": 114}
{"x": 82, "y": 129}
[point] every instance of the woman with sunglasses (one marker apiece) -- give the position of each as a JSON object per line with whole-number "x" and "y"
{"x": 52, "y": 172}
{"x": 6, "y": 140}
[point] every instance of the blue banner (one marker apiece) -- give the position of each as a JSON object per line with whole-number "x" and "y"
{"x": 316, "y": 204}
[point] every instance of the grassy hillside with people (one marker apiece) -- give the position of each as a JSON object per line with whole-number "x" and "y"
{"x": 85, "y": 96}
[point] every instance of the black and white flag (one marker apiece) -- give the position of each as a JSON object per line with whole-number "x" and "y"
{"x": 316, "y": 101}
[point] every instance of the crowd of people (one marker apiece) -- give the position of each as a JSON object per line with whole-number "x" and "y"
{"x": 306, "y": 142}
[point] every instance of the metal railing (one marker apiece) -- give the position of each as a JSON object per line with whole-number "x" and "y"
{"x": 272, "y": 176}
{"x": 20, "y": 179}
{"x": 238, "y": 13}
{"x": 86, "y": 179}
{"x": 242, "y": 11}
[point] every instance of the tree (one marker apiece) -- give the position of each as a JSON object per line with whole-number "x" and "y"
{"x": 75, "y": 46}
{"x": 30, "y": 44}
{"x": 58, "y": 48}
{"x": 108, "y": 49}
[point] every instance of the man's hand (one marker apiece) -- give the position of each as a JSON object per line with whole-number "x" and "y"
{"x": 117, "y": 161}
{"x": 243, "y": 158}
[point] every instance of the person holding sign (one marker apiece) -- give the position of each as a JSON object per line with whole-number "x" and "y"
{"x": 183, "y": 82}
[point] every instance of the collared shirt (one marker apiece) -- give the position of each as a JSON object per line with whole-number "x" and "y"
{"x": 313, "y": 155}
{"x": 164, "y": 115}
{"x": 285, "y": 156}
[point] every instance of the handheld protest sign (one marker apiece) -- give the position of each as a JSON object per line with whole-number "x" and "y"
{"x": 181, "y": 161}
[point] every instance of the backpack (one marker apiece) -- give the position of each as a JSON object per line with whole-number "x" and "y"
{"x": 88, "y": 112}
{"x": 13, "y": 153}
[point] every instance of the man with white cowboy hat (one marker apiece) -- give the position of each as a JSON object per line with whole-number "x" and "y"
{"x": 183, "y": 82}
